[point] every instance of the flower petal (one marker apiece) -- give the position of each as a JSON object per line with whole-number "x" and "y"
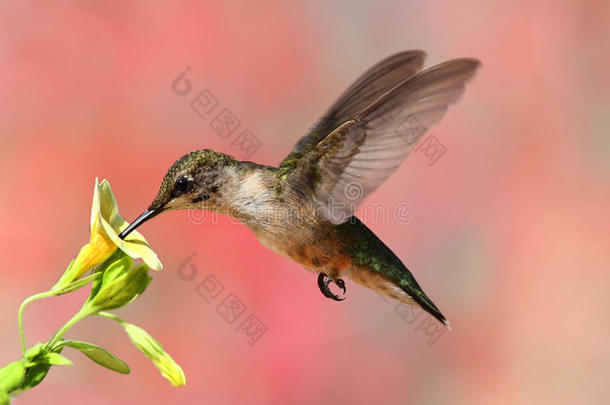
{"x": 137, "y": 249}
{"x": 135, "y": 245}
{"x": 95, "y": 205}
{"x": 109, "y": 208}
{"x": 112, "y": 223}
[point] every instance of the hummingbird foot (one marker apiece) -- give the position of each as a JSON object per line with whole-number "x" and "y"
{"x": 324, "y": 281}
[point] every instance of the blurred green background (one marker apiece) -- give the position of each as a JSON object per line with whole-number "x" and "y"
{"x": 507, "y": 231}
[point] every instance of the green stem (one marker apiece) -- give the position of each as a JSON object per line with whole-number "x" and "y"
{"x": 111, "y": 316}
{"x": 75, "y": 285}
{"x": 20, "y": 314}
{"x": 77, "y": 317}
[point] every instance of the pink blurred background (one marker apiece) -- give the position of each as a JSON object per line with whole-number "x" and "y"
{"x": 508, "y": 230}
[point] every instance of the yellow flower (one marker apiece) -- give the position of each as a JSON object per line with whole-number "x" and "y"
{"x": 106, "y": 225}
{"x": 154, "y": 351}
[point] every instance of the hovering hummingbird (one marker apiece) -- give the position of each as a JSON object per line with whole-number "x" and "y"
{"x": 303, "y": 209}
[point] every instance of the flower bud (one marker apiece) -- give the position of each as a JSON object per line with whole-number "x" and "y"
{"x": 12, "y": 376}
{"x": 120, "y": 285}
{"x": 154, "y": 351}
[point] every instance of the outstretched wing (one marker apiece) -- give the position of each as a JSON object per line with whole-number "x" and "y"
{"x": 359, "y": 155}
{"x": 363, "y": 92}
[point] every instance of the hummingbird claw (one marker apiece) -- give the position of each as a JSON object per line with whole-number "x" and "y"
{"x": 341, "y": 285}
{"x": 324, "y": 281}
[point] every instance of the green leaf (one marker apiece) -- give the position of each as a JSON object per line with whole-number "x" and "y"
{"x": 54, "y": 359}
{"x": 99, "y": 355}
{"x": 117, "y": 268}
{"x": 34, "y": 375}
{"x": 37, "y": 370}
{"x": 120, "y": 291}
{"x": 12, "y": 376}
{"x": 117, "y": 264}
{"x": 78, "y": 284}
{"x": 34, "y": 351}
{"x": 63, "y": 280}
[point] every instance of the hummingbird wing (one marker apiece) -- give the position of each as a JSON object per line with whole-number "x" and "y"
{"x": 363, "y": 92}
{"x": 358, "y": 156}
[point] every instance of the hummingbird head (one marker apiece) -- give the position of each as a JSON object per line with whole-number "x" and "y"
{"x": 193, "y": 181}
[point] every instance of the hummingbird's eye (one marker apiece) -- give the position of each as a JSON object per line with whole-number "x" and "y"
{"x": 182, "y": 185}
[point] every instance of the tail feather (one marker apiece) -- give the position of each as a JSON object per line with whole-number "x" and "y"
{"x": 426, "y": 304}
{"x": 380, "y": 269}
{"x": 402, "y": 279}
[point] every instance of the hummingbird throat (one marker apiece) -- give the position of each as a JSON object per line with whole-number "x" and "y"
{"x": 246, "y": 195}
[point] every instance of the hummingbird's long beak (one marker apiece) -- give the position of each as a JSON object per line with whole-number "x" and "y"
{"x": 145, "y": 216}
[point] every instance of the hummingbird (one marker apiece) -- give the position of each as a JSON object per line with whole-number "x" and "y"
{"x": 303, "y": 209}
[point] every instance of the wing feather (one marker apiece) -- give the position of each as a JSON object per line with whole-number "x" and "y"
{"x": 373, "y": 83}
{"x": 353, "y": 160}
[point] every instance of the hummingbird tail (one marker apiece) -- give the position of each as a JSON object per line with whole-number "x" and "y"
{"x": 426, "y": 304}
{"x": 375, "y": 266}
{"x": 397, "y": 282}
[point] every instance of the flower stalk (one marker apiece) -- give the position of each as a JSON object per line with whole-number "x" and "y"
{"x": 115, "y": 282}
